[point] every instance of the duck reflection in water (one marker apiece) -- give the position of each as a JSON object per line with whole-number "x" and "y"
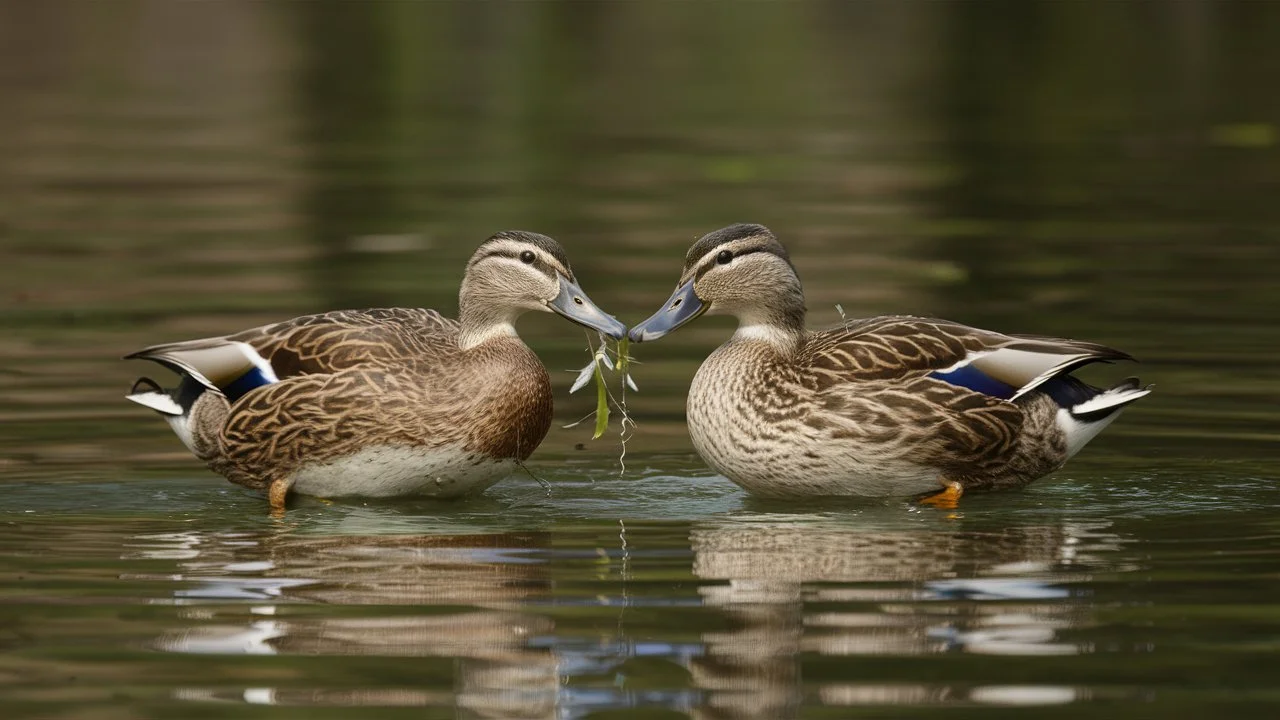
{"x": 882, "y": 593}
{"x": 473, "y": 593}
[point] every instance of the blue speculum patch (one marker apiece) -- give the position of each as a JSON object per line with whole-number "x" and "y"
{"x": 236, "y": 389}
{"x": 1065, "y": 390}
{"x": 974, "y": 379}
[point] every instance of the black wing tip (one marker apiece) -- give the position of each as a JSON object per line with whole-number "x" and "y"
{"x": 1132, "y": 383}
{"x": 150, "y": 354}
{"x": 145, "y": 384}
{"x": 1104, "y": 353}
{"x": 146, "y": 353}
{"x": 1116, "y": 355}
{"x": 1129, "y": 384}
{"x": 1097, "y": 351}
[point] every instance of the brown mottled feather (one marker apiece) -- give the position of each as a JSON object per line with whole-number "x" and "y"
{"x": 379, "y": 402}
{"x": 332, "y": 341}
{"x": 396, "y": 375}
{"x": 856, "y": 409}
{"x": 866, "y": 384}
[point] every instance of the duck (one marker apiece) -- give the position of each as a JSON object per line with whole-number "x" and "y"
{"x": 882, "y": 406}
{"x": 382, "y": 402}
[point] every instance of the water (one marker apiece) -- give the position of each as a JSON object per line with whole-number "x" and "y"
{"x": 1106, "y": 172}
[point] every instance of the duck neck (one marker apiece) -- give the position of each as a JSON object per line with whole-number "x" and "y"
{"x": 483, "y": 321}
{"x": 779, "y": 326}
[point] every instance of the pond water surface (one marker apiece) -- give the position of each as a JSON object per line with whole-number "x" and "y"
{"x": 1108, "y": 172}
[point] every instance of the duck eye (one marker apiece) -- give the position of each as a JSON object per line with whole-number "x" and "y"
{"x": 724, "y": 257}
{"x": 527, "y": 257}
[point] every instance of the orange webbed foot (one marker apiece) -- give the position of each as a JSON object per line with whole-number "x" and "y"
{"x": 948, "y": 498}
{"x": 277, "y": 494}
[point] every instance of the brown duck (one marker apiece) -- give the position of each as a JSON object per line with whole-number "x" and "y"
{"x": 383, "y": 402}
{"x": 881, "y": 406}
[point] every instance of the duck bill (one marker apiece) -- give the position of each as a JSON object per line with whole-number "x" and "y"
{"x": 682, "y": 307}
{"x": 574, "y": 304}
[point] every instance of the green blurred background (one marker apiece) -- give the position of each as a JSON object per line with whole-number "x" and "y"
{"x": 1108, "y": 171}
{"x": 171, "y": 170}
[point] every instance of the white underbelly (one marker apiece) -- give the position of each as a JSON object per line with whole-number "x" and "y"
{"x": 395, "y": 471}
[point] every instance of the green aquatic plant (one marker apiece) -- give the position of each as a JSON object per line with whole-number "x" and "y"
{"x": 615, "y": 360}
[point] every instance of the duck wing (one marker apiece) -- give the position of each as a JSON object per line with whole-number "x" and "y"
{"x": 904, "y": 347}
{"x": 938, "y": 391}
{"x": 312, "y": 344}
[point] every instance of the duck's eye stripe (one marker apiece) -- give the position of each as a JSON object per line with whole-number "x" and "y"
{"x": 716, "y": 260}
{"x": 497, "y": 253}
